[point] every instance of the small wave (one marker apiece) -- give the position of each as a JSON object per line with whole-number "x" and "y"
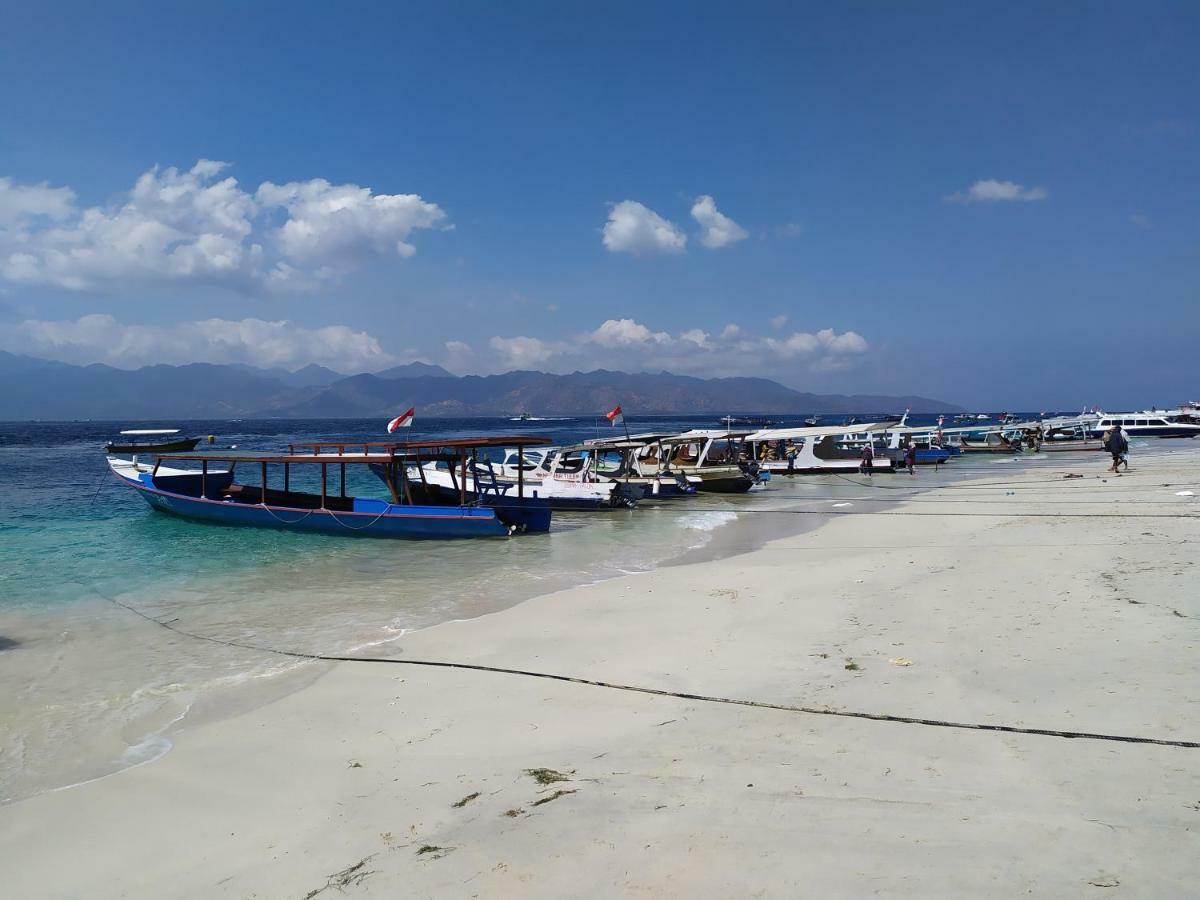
{"x": 706, "y": 521}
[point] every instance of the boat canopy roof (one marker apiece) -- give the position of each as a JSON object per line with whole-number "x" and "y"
{"x": 701, "y": 434}
{"x": 648, "y": 437}
{"x": 340, "y": 448}
{"x": 592, "y": 446}
{"x": 152, "y": 431}
{"x": 784, "y": 434}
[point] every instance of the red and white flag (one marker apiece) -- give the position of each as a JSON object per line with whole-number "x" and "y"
{"x": 615, "y": 416}
{"x": 402, "y": 421}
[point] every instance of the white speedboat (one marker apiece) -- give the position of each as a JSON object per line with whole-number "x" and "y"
{"x": 1144, "y": 424}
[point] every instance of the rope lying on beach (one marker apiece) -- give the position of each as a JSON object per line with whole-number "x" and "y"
{"x": 658, "y": 692}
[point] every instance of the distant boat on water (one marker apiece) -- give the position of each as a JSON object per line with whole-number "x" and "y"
{"x": 178, "y": 445}
{"x": 746, "y": 422}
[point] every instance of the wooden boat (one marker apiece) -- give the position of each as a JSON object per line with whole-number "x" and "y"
{"x": 711, "y": 460}
{"x": 180, "y": 445}
{"x": 1061, "y": 446}
{"x": 993, "y": 442}
{"x": 206, "y": 491}
{"x": 562, "y": 480}
{"x": 636, "y": 460}
{"x": 817, "y": 450}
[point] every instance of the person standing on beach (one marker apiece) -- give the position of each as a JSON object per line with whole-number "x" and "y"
{"x": 1117, "y": 444}
{"x": 910, "y": 458}
{"x": 868, "y": 459}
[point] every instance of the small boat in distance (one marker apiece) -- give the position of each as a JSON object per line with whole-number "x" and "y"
{"x": 747, "y": 422}
{"x": 179, "y": 445}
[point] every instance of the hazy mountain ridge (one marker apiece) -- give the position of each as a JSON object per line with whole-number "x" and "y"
{"x": 43, "y": 389}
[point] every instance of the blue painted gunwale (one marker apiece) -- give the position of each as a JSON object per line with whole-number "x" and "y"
{"x": 380, "y": 519}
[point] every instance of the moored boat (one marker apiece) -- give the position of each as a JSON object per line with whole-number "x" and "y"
{"x": 148, "y": 444}
{"x": 204, "y": 488}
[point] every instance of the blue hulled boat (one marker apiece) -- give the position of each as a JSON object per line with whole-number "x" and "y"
{"x": 203, "y": 488}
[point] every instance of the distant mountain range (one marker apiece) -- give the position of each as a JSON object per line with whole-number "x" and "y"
{"x": 43, "y": 389}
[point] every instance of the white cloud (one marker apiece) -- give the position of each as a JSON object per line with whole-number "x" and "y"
{"x": 717, "y": 230}
{"x": 798, "y": 344}
{"x": 188, "y": 227}
{"x": 101, "y": 338}
{"x": 779, "y": 321}
{"x": 626, "y": 333}
{"x": 21, "y": 202}
{"x": 801, "y": 343}
{"x": 521, "y": 352}
{"x": 790, "y": 230}
{"x": 632, "y": 346}
{"x": 337, "y": 225}
{"x": 637, "y": 229}
{"x": 846, "y": 342}
{"x": 990, "y": 191}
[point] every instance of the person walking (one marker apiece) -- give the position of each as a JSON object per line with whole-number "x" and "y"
{"x": 1116, "y": 443}
{"x": 868, "y": 459}
{"x": 910, "y": 458}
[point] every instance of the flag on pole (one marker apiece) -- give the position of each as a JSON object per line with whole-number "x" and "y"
{"x": 615, "y": 416}
{"x": 402, "y": 421}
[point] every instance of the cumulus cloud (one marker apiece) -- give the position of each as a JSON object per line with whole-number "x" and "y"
{"x": 336, "y": 224}
{"x": 522, "y": 352}
{"x": 779, "y": 321}
{"x": 991, "y": 191}
{"x": 23, "y": 202}
{"x": 637, "y": 229}
{"x": 194, "y": 226}
{"x": 101, "y": 338}
{"x": 626, "y": 333}
{"x": 717, "y": 230}
{"x": 631, "y": 345}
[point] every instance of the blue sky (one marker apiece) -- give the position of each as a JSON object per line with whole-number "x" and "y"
{"x": 994, "y": 204}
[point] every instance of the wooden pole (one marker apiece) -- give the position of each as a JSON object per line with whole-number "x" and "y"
{"x": 324, "y": 477}
{"x": 204, "y": 478}
{"x": 287, "y": 478}
{"x": 408, "y": 497}
{"x": 391, "y": 480}
{"x": 264, "y": 484}
{"x": 343, "y": 481}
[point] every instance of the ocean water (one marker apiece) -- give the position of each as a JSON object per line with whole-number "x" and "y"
{"x": 88, "y": 687}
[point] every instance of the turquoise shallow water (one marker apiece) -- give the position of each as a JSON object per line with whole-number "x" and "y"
{"x": 89, "y": 688}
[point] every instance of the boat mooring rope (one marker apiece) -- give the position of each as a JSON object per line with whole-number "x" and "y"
{"x": 659, "y": 692}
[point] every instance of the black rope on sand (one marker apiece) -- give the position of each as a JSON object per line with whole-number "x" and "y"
{"x": 658, "y": 692}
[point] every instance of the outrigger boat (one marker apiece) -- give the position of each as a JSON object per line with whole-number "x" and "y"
{"x": 561, "y": 479}
{"x": 639, "y": 459}
{"x": 712, "y": 460}
{"x": 204, "y": 493}
{"x": 180, "y": 445}
{"x": 817, "y": 450}
{"x": 992, "y": 442}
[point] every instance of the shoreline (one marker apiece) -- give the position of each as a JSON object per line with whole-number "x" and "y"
{"x": 764, "y": 624}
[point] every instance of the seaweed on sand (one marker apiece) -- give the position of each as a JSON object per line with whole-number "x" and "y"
{"x": 554, "y": 796}
{"x": 547, "y": 777}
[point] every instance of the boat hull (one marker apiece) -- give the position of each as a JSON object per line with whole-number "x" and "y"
{"x": 180, "y": 446}
{"x": 368, "y": 518}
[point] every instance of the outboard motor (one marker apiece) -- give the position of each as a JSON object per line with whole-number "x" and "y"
{"x": 627, "y": 495}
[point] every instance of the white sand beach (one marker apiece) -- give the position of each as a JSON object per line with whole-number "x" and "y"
{"x": 1042, "y": 602}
